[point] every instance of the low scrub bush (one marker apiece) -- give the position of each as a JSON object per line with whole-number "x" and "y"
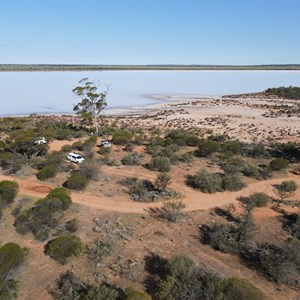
{"x": 251, "y": 171}
{"x": 8, "y": 192}
{"x": 258, "y": 199}
{"x": 72, "y": 225}
{"x": 145, "y": 190}
{"x": 278, "y": 164}
{"x": 90, "y": 170}
{"x": 212, "y": 182}
{"x": 206, "y": 182}
{"x": 104, "y": 151}
{"x": 133, "y": 294}
{"x": 61, "y": 194}
{"x": 183, "y": 138}
{"x": 76, "y": 182}
{"x": 47, "y": 172}
{"x": 172, "y": 210}
{"x": 160, "y": 164}
{"x": 208, "y": 147}
{"x": 231, "y": 237}
{"x": 186, "y": 157}
{"x": 11, "y": 257}
{"x": 77, "y": 146}
{"x": 63, "y": 247}
{"x": 11, "y": 163}
{"x": 281, "y": 265}
{"x": 133, "y": 159}
{"x": 121, "y": 137}
{"x": 181, "y": 279}
{"x": 44, "y": 215}
{"x": 162, "y": 181}
{"x": 233, "y": 165}
{"x": 294, "y": 225}
{"x": 233, "y": 147}
{"x": 232, "y": 182}
{"x": 68, "y": 287}
{"x": 240, "y": 289}
{"x": 286, "y": 189}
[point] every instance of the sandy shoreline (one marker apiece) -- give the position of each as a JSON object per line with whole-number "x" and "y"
{"x": 247, "y": 117}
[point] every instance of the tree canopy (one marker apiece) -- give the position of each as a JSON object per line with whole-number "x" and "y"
{"x": 92, "y": 101}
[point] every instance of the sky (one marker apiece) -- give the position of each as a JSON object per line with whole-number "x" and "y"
{"x": 240, "y": 32}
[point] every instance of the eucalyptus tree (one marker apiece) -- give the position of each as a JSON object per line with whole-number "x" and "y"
{"x": 92, "y": 103}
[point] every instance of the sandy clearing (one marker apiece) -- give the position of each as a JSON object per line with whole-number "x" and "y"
{"x": 193, "y": 199}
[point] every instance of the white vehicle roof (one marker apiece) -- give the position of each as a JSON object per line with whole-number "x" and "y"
{"x": 75, "y": 154}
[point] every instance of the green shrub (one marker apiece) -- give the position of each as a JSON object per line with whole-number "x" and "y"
{"x": 104, "y": 151}
{"x": 133, "y": 294}
{"x": 63, "y": 195}
{"x": 54, "y": 158}
{"x": 133, "y": 159}
{"x": 11, "y": 256}
{"x": 251, "y": 171}
{"x": 121, "y": 137}
{"x": 281, "y": 265}
{"x": 160, "y": 164}
{"x": 232, "y": 182}
{"x": 278, "y": 164}
{"x": 294, "y": 225}
{"x": 258, "y": 199}
{"x": 63, "y": 134}
{"x": 233, "y": 147}
{"x": 231, "y": 237}
{"x": 76, "y": 182}
{"x": 8, "y": 192}
{"x": 44, "y": 215}
{"x": 186, "y": 157}
{"x": 77, "y": 146}
{"x": 233, "y": 165}
{"x": 66, "y": 148}
{"x": 46, "y": 172}
{"x": 9, "y": 289}
{"x": 63, "y": 247}
{"x": 184, "y": 281}
{"x": 286, "y": 189}
{"x": 171, "y": 210}
{"x": 206, "y": 182}
{"x": 162, "y": 181}
{"x": 72, "y": 225}
{"x": 207, "y": 148}
{"x": 69, "y": 287}
{"x": 240, "y": 289}
{"x": 10, "y": 163}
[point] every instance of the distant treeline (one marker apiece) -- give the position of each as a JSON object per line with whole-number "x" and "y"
{"x": 50, "y": 67}
{"x": 291, "y": 92}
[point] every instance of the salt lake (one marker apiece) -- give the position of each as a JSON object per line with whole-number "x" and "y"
{"x": 50, "y": 92}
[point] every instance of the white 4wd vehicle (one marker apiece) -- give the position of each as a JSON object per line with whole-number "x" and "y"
{"x": 105, "y": 144}
{"x": 76, "y": 158}
{"x": 41, "y": 141}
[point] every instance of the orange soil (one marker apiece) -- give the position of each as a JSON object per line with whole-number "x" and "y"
{"x": 193, "y": 199}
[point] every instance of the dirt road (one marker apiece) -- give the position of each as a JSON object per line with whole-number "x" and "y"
{"x": 193, "y": 199}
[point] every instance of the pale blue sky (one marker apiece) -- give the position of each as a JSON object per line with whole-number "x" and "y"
{"x": 150, "y": 32}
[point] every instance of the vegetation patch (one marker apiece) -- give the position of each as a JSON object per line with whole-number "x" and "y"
{"x": 44, "y": 216}
{"x": 76, "y": 181}
{"x": 11, "y": 257}
{"x": 47, "y": 172}
{"x": 63, "y": 247}
{"x": 146, "y": 191}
